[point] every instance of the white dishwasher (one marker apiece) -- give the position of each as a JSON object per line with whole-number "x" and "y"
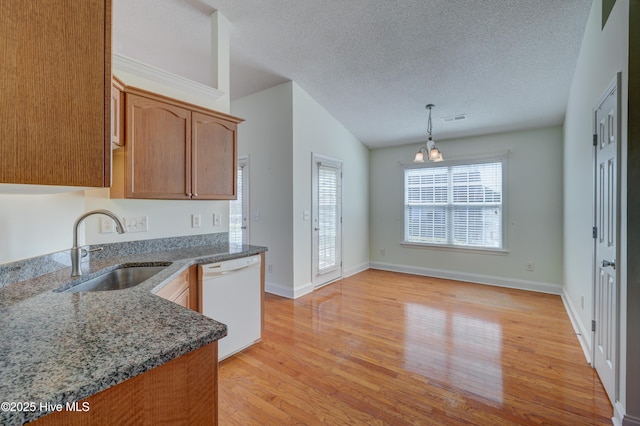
{"x": 231, "y": 295}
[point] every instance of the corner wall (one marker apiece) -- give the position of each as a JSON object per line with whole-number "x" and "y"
{"x": 604, "y": 52}
{"x": 283, "y": 126}
{"x": 267, "y": 138}
{"x": 633, "y": 226}
{"x": 317, "y": 131}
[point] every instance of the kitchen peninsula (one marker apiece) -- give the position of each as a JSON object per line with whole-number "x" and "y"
{"x": 59, "y": 349}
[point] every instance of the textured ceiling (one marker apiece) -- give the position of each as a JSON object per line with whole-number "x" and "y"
{"x": 375, "y": 64}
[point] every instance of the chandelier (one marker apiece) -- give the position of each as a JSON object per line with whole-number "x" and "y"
{"x": 430, "y": 149}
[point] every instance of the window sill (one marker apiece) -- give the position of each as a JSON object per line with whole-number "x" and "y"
{"x": 478, "y": 250}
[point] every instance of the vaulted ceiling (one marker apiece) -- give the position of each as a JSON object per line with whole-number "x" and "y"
{"x": 375, "y": 64}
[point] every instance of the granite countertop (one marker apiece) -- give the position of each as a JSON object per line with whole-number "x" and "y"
{"x": 63, "y": 347}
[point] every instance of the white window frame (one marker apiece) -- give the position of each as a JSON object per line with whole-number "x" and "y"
{"x": 321, "y": 277}
{"x": 502, "y": 158}
{"x": 242, "y": 163}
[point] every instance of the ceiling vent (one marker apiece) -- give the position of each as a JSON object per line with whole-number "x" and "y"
{"x": 453, "y": 118}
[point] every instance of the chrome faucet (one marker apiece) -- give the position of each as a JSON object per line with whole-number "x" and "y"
{"x": 77, "y": 253}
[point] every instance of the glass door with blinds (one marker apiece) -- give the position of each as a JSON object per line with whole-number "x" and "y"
{"x": 239, "y": 208}
{"x": 327, "y": 219}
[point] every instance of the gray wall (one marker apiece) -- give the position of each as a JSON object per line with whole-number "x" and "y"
{"x": 533, "y": 213}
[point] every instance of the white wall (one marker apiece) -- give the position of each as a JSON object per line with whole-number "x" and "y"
{"x": 283, "y": 126}
{"x": 317, "y": 131}
{"x": 267, "y": 137}
{"x": 33, "y": 225}
{"x": 604, "y": 52}
{"x": 533, "y": 208}
{"x": 166, "y": 218}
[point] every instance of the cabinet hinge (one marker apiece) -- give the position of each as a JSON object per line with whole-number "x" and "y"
{"x": 595, "y": 140}
{"x": 594, "y": 232}
{"x": 593, "y": 325}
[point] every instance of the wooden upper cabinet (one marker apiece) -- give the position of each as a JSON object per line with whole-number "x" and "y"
{"x": 55, "y": 84}
{"x": 157, "y": 150}
{"x": 174, "y": 150}
{"x": 117, "y": 114}
{"x": 213, "y": 157}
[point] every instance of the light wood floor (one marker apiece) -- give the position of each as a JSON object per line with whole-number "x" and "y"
{"x": 383, "y": 348}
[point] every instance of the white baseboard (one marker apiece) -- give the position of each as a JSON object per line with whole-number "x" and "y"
{"x": 278, "y": 289}
{"x": 286, "y": 291}
{"x": 302, "y": 290}
{"x": 537, "y": 286}
{"x": 294, "y": 293}
{"x": 347, "y": 272}
{"x": 618, "y": 414}
{"x": 582, "y": 332}
{"x": 618, "y": 410}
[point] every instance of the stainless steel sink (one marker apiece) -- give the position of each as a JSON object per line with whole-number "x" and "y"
{"x": 118, "y": 279}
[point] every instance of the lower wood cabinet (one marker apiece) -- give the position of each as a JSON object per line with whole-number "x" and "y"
{"x": 183, "y": 391}
{"x": 183, "y": 289}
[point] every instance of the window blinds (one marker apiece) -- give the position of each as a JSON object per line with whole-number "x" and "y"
{"x": 328, "y": 180}
{"x": 458, "y": 205}
{"x": 236, "y": 212}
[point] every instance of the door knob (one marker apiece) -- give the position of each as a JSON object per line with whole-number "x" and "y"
{"x": 606, "y": 263}
{"x": 316, "y": 229}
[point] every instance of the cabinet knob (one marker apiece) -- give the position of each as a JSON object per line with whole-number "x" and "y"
{"x": 195, "y": 195}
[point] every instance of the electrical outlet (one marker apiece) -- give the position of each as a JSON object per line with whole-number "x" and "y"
{"x": 382, "y": 252}
{"x": 256, "y": 216}
{"x": 136, "y": 223}
{"x": 196, "y": 220}
{"x": 582, "y": 302}
{"x": 107, "y": 225}
{"x": 531, "y": 266}
{"x": 270, "y": 268}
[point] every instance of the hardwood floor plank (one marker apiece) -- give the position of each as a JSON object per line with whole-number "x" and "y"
{"x": 382, "y": 348}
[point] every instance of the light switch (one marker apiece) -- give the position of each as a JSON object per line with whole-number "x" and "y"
{"x": 195, "y": 220}
{"x": 136, "y": 223}
{"x": 216, "y": 219}
{"x": 306, "y": 215}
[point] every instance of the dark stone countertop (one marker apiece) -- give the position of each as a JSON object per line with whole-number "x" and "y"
{"x": 63, "y": 347}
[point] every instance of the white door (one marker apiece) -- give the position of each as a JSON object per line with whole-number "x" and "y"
{"x": 239, "y": 208}
{"x": 606, "y": 232}
{"x": 326, "y": 219}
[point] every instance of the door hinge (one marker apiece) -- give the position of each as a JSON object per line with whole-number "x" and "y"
{"x": 594, "y": 232}
{"x": 593, "y": 325}
{"x": 595, "y": 140}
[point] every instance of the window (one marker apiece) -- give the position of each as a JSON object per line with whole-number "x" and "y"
{"x": 326, "y": 196}
{"x": 239, "y": 208}
{"x": 457, "y": 205}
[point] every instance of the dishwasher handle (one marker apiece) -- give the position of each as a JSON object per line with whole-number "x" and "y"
{"x": 230, "y": 266}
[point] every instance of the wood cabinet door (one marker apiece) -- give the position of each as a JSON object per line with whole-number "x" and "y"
{"x": 117, "y": 116}
{"x": 158, "y": 150}
{"x": 214, "y": 155}
{"x": 55, "y": 80}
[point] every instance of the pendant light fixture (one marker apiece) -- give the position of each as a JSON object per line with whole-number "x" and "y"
{"x": 430, "y": 149}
